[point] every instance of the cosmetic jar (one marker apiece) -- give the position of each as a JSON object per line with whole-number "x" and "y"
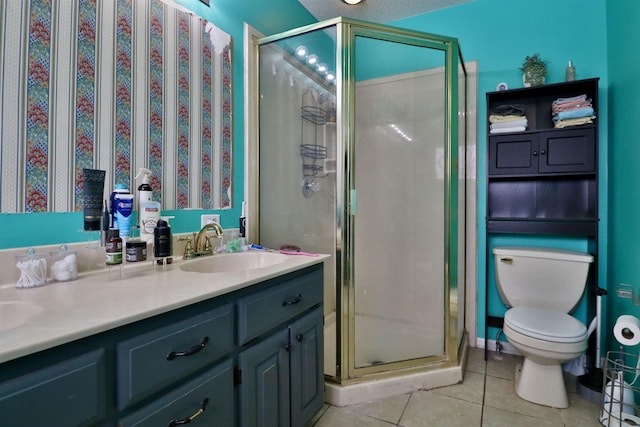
{"x": 64, "y": 264}
{"x": 33, "y": 269}
{"x": 136, "y": 251}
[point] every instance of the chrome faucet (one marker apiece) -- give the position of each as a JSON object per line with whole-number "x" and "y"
{"x": 202, "y": 244}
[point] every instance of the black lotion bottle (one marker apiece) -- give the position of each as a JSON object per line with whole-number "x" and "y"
{"x": 162, "y": 240}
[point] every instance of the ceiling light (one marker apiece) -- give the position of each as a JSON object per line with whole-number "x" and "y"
{"x": 301, "y": 51}
{"x": 322, "y": 68}
{"x": 312, "y": 59}
{"x": 352, "y": 2}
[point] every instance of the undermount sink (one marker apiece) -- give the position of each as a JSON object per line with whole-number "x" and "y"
{"x": 16, "y": 313}
{"x": 228, "y": 263}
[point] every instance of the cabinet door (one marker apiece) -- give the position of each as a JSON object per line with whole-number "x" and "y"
{"x": 307, "y": 367}
{"x": 264, "y": 386}
{"x": 206, "y": 401}
{"x": 514, "y": 154}
{"x": 69, "y": 393}
{"x": 572, "y": 150}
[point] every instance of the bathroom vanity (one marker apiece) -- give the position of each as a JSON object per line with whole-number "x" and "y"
{"x": 160, "y": 347}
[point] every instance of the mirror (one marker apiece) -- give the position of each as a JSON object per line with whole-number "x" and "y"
{"x": 116, "y": 85}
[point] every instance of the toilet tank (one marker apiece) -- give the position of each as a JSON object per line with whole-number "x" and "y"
{"x": 541, "y": 277}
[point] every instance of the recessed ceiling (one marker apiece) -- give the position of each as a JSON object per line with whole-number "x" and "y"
{"x": 380, "y": 11}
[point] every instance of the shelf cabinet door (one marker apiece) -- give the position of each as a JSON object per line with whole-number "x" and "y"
{"x": 568, "y": 151}
{"x": 513, "y": 154}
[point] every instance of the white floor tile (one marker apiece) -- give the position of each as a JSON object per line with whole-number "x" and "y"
{"x": 485, "y": 398}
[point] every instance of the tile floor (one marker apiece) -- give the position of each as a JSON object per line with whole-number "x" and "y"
{"x": 486, "y": 397}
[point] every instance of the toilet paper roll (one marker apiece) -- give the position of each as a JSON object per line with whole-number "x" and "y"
{"x": 627, "y": 330}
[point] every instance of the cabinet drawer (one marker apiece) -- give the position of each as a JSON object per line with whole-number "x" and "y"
{"x": 212, "y": 391}
{"x": 153, "y": 360}
{"x": 70, "y": 393}
{"x": 263, "y": 310}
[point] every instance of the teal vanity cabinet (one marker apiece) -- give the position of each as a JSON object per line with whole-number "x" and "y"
{"x": 282, "y": 376}
{"x": 253, "y": 356}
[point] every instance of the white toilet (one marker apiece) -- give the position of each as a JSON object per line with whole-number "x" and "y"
{"x": 541, "y": 286}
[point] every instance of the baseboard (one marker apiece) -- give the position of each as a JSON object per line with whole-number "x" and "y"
{"x": 506, "y": 347}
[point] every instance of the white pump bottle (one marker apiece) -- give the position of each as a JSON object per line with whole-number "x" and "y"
{"x": 145, "y": 192}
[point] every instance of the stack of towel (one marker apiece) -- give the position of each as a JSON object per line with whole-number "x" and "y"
{"x": 508, "y": 118}
{"x": 573, "y": 111}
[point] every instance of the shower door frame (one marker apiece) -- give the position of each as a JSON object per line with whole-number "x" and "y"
{"x": 346, "y": 32}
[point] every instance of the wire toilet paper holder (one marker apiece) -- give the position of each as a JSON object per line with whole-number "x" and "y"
{"x": 621, "y": 373}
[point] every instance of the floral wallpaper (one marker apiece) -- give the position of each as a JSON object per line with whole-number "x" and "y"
{"x": 36, "y": 177}
{"x": 85, "y": 94}
{"x": 124, "y": 26}
{"x": 114, "y": 85}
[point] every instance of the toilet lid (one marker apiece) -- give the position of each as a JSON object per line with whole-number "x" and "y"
{"x": 545, "y": 324}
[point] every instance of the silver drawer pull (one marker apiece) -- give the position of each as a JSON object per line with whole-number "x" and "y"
{"x": 203, "y": 406}
{"x": 189, "y": 352}
{"x": 293, "y": 301}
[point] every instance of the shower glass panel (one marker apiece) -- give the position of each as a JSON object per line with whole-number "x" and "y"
{"x": 399, "y": 252}
{"x": 297, "y": 153}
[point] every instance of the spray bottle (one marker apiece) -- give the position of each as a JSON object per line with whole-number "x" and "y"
{"x": 145, "y": 192}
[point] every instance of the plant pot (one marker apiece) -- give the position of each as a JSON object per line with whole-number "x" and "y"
{"x": 530, "y": 80}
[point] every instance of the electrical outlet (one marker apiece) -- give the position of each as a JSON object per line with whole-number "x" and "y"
{"x": 208, "y": 219}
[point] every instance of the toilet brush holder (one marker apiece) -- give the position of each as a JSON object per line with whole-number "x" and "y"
{"x": 589, "y": 385}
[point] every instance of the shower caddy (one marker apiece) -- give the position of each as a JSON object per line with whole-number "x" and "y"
{"x": 310, "y": 151}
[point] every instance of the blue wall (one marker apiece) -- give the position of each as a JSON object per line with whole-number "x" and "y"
{"x": 624, "y": 157}
{"x": 498, "y": 34}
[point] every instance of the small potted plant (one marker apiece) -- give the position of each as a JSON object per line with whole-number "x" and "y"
{"x": 534, "y": 70}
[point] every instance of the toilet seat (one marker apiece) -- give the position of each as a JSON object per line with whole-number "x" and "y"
{"x": 548, "y": 325}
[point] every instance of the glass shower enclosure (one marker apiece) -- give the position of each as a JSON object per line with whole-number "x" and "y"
{"x": 360, "y": 153}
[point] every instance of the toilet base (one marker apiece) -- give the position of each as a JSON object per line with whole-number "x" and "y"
{"x": 541, "y": 384}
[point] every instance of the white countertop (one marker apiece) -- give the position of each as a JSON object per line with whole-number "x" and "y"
{"x": 93, "y": 303}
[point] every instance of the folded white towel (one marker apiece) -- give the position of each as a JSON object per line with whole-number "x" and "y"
{"x": 513, "y": 123}
{"x": 509, "y": 130}
{"x": 495, "y": 118}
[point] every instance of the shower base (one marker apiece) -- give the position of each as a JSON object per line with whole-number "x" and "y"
{"x": 376, "y": 387}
